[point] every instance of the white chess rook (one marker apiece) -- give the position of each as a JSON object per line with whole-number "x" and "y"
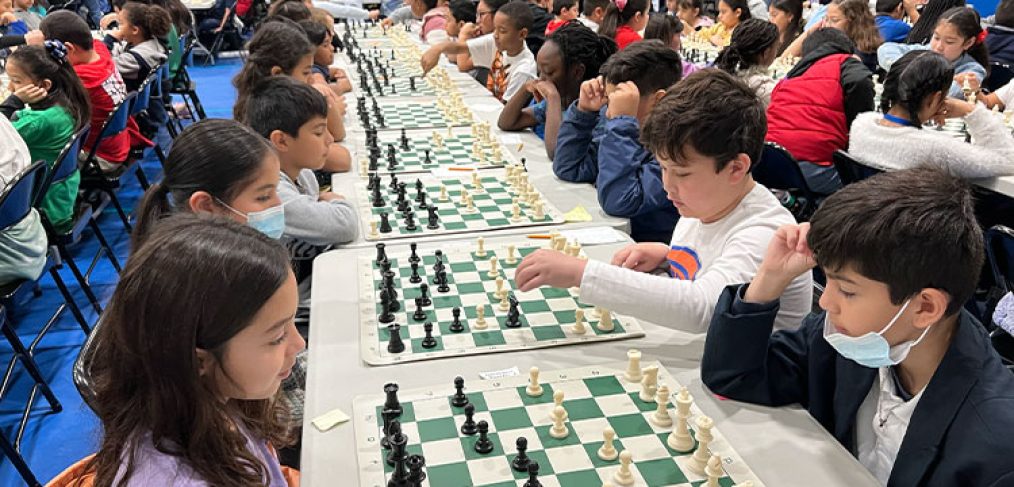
{"x": 633, "y": 373}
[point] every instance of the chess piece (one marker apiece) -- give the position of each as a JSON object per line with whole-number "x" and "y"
{"x": 386, "y": 313}
{"x": 483, "y": 445}
{"x": 399, "y": 477}
{"x": 404, "y": 140}
{"x": 661, "y": 416}
{"x": 420, "y": 313}
{"x": 415, "y": 470}
{"x": 469, "y": 205}
{"x": 504, "y": 303}
{"x": 459, "y": 399}
{"x": 415, "y": 278}
{"x": 633, "y": 373}
{"x": 481, "y": 244}
{"x": 432, "y": 221}
{"x": 381, "y": 253}
{"x": 410, "y": 221}
{"x": 373, "y": 230}
{"x": 442, "y": 282}
{"x": 414, "y": 257}
{"x": 534, "y": 389}
{"x": 499, "y": 288}
{"x": 398, "y": 442}
{"x": 521, "y": 461}
{"x": 649, "y": 383}
{"x": 480, "y": 318}
{"x": 699, "y": 461}
{"x": 513, "y": 314}
{"x": 539, "y": 212}
{"x": 387, "y": 415}
{"x": 493, "y": 272}
{"x": 605, "y": 321}
{"x": 443, "y": 193}
{"x": 579, "y": 328}
{"x": 428, "y": 341}
{"x": 385, "y": 225}
{"x": 533, "y": 475}
{"x": 714, "y": 470}
{"x": 469, "y": 427}
{"x": 424, "y": 294}
{"x": 395, "y": 345}
{"x": 391, "y": 402}
{"x": 624, "y": 476}
{"x": 456, "y": 325}
{"x": 680, "y": 439}
{"x": 559, "y": 429}
{"x": 558, "y": 401}
{"x": 608, "y": 451}
{"x": 515, "y": 212}
{"x": 511, "y": 259}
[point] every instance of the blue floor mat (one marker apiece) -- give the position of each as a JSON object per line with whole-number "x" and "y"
{"x": 51, "y": 441}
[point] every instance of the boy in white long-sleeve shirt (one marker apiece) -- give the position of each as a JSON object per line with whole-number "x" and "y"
{"x": 293, "y": 116}
{"x": 726, "y": 219}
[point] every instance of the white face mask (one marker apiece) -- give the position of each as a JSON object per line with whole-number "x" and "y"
{"x": 871, "y": 350}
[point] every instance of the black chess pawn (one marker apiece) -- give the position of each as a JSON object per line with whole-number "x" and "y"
{"x": 420, "y": 313}
{"x": 415, "y": 278}
{"x": 420, "y": 191}
{"x": 415, "y": 470}
{"x": 456, "y": 325}
{"x": 394, "y": 182}
{"x": 439, "y": 263}
{"x": 391, "y": 402}
{"x": 422, "y": 203}
{"x": 427, "y": 160}
{"x": 404, "y": 140}
{"x": 381, "y": 253}
{"x": 386, "y": 313}
{"x": 385, "y": 224}
{"x": 395, "y": 345}
{"x": 483, "y": 445}
{"x": 410, "y": 221}
{"x": 469, "y": 427}
{"x": 389, "y": 285}
{"x": 411, "y": 83}
{"x": 521, "y": 461}
{"x": 424, "y": 294}
{"x": 433, "y": 220}
{"x": 428, "y": 341}
{"x": 533, "y": 475}
{"x": 442, "y": 286}
{"x": 459, "y": 399}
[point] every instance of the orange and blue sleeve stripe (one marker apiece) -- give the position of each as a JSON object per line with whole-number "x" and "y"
{"x": 683, "y": 263}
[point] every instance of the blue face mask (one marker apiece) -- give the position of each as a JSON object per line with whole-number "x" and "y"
{"x": 871, "y": 350}
{"x": 270, "y": 222}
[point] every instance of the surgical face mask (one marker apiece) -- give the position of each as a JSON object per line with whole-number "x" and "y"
{"x": 871, "y": 350}
{"x": 270, "y": 222}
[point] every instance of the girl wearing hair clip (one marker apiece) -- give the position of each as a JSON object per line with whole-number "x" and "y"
{"x": 47, "y": 105}
{"x": 959, "y": 37}
{"x": 623, "y": 21}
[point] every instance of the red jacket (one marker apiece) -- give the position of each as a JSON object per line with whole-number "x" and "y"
{"x": 105, "y": 89}
{"x": 625, "y": 36}
{"x": 807, "y": 113}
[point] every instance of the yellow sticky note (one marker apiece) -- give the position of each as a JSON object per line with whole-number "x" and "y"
{"x": 330, "y": 419}
{"x": 578, "y": 214}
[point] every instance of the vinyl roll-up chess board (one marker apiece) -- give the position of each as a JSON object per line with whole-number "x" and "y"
{"x": 547, "y": 315}
{"x": 420, "y": 152}
{"x": 595, "y": 398}
{"x": 398, "y": 114}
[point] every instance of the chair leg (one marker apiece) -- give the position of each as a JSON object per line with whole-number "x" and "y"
{"x": 18, "y": 461}
{"x": 197, "y": 104}
{"x": 139, "y": 171}
{"x": 119, "y": 209}
{"x": 29, "y": 362}
{"x": 160, "y": 154}
{"x": 74, "y": 309}
{"x": 94, "y": 225}
{"x": 69, "y": 260}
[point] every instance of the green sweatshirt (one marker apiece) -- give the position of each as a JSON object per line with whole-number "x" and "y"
{"x": 46, "y": 132}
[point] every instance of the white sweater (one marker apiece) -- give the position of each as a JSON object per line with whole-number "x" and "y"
{"x": 990, "y": 154}
{"x": 706, "y": 258}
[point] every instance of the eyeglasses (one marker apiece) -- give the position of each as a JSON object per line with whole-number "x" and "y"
{"x": 483, "y": 14}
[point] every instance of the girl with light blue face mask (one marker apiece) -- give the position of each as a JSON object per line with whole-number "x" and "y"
{"x": 221, "y": 167}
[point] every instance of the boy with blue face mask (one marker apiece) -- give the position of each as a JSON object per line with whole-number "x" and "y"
{"x": 893, "y": 367}
{"x": 293, "y": 117}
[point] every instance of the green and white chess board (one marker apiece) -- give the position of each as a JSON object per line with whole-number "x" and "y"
{"x": 595, "y": 398}
{"x": 453, "y": 151}
{"x": 413, "y": 115}
{"x": 547, "y": 315}
{"x": 492, "y": 204}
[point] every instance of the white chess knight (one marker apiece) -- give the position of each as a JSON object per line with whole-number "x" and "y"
{"x": 699, "y": 460}
{"x": 579, "y": 328}
{"x": 608, "y": 451}
{"x": 534, "y": 389}
{"x": 649, "y": 383}
{"x": 480, "y": 318}
{"x": 559, "y": 429}
{"x": 624, "y": 476}
{"x": 661, "y": 416}
{"x": 680, "y": 439}
{"x": 633, "y": 373}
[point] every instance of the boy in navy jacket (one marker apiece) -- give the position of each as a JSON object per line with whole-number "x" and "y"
{"x": 599, "y": 143}
{"x": 893, "y": 368}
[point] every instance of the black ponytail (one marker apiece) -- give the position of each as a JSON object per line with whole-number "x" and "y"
{"x": 49, "y": 61}
{"x": 580, "y": 45}
{"x": 912, "y": 78}
{"x": 749, "y": 41}
{"x": 922, "y": 31}
{"x": 615, "y": 16}
{"x": 154, "y": 21}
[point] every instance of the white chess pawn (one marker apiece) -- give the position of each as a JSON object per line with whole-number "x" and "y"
{"x": 505, "y": 304}
{"x": 605, "y": 321}
{"x": 714, "y": 470}
{"x": 511, "y": 258}
{"x": 633, "y": 373}
{"x": 373, "y": 229}
{"x": 534, "y": 389}
{"x": 481, "y": 247}
{"x": 516, "y": 212}
{"x": 558, "y": 401}
{"x": 571, "y": 249}
{"x": 443, "y": 193}
{"x": 499, "y": 288}
{"x": 469, "y": 207}
{"x": 539, "y": 211}
{"x": 493, "y": 272}
{"x": 661, "y": 416}
{"x": 624, "y": 476}
{"x": 649, "y": 383}
{"x": 480, "y": 318}
{"x": 559, "y": 429}
{"x": 608, "y": 452}
{"x": 680, "y": 439}
{"x": 699, "y": 461}
{"x": 579, "y": 328}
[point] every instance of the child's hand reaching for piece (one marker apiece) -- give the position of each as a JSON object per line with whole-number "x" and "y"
{"x": 593, "y": 95}
{"x": 788, "y": 255}
{"x": 429, "y": 59}
{"x": 549, "y": 268}
{"x": 641, "y": 257}
{"x": 624, "y": 100}
{"x": 30, "y": 93}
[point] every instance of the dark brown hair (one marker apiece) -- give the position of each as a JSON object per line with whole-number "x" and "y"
{"x": 712, "y": 111}
{"x": 911, "y": 230}
{"x": 50, "y": 62}
{"x": 146, "y": 380}
{"x": 154, "y": 21}
{"x": 862, "y": 28}
{"x": 280, "y": 44}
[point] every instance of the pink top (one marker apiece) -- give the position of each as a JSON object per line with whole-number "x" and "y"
{"x": 433, "y": 20}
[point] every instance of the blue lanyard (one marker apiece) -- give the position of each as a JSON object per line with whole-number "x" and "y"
{"x": 899, "y": 120}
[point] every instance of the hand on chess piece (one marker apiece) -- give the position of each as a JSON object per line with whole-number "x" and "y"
{"x": 641, "y": 257}
{"x": 386, "y": 23}
{"x": 430, "y": 58}
{"x": 374, "y": 14}
{"x": 35, "y": 38}
{"x": 955, "y": 108}
{"x": 549, "y": 268}
{"x": 593, "y": 95}
{"x": 543, "y": 90}
{"x": 329, "y": 196}
{"x": 788, "y": 255}
{"x": 624, "y": 100}
{"x": 30, "y": 93}
{"x": 973, "y": 81}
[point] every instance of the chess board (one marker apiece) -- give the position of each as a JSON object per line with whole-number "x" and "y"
{"x": 402, "y": 87}
{"x": 547, "y": 314}
{"x": 492, "y": 206}
{"x": 595, "y": 398}
{"x": 414, "y": 115}
{"x": 455, "y": 150}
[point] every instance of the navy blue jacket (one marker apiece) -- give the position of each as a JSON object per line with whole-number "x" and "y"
{"x": 593, "y": 149}
{"x": 960, "y": 432}
{"x": 1000, "y": 41}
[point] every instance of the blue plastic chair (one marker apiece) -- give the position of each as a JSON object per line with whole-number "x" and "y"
{"x": 93, "y": 179}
